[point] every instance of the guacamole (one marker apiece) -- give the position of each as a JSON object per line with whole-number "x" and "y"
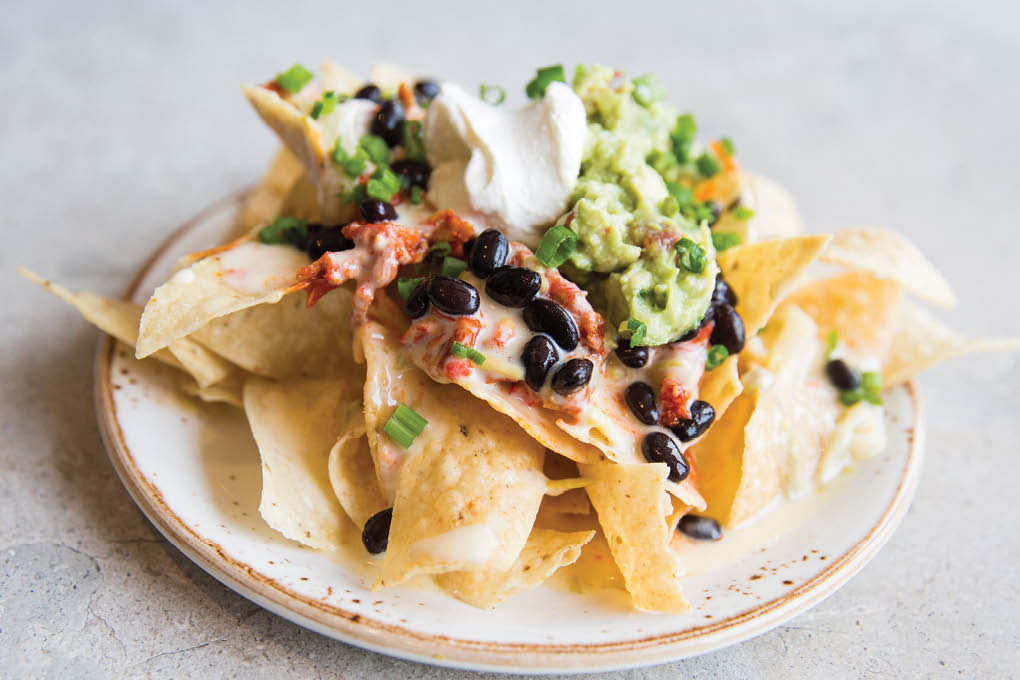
{"x": 633, "y": 211}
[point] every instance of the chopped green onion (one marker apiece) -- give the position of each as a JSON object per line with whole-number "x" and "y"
{"x": 339, "y": 155}
{"x": 294, "y": 78}
{"x": 324, "y": 106}
{"x": 683, "y": 195}
{"x": 869, "y": 390}
{"x": 743, "y": 213}
{"x": 871, "y": 381}
{"x": 404, "y": 425}
{"x": 682, "y": 136}
{"x": 725, "y": 240}
{"x": 452, "y": 266}
{"x": 355, "y": 165}
{"x": 285, "y": 231}
{"x": 635, "y": 330}
{"x": 707, "y": 165}
{"x": 417, "y": 195}
{"x": 716, "y": 355}
{"x": 383, "y": 184}
{"x": 407, "y": 285}
{"x": 376, "y": 189}
{"x": 376, "y": 149}
{"x": 356, "y": 195}
{"x": 556, "y": 246}
{"x": 439, "y": 249}
{"x": 648, "y": 89}
{"x": 830, "y": 343}
{"x": 413, "y": 142}
{"x": 727, "y": 146}
{"x": 544, "y": 76}
{"x": 492, "y": 94}
{"x": 459, "y": 349}
{"x": 692, "y": 256}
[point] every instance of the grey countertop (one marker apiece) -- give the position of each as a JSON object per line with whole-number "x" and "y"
{"x": 120, "y": 121}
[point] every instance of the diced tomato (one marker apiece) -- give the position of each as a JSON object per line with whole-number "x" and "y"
{"x": 673, "y": 398}
{"x": 447, "y": 226}
{"x": 458, "y": 368}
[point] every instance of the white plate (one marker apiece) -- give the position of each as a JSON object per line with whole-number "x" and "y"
{"x": 194, "y": 470}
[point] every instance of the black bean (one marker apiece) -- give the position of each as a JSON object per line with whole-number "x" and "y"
{"x": 388, "y": 122}
{"x": 723, "y": 294}
{"x": 374, "y": 210}
{"x": 842, "y": 375}
{"x": 632, "y": 357}
{"x": 659, "y": 447}
{"x": 371, "y": 93}
{"x": 322, "y": 240}
{"x": 729, "y": 329}
{"x": 416, "y": 172}
{"x": 699, "y": 528}
{"x": 453, "y": 296}
{"x": 418, "y": 301}
{"x": 539, "y": 356}
{"x": 376, "y": 535}
{"x": 545, "y": 316}
{"x": 425, "y": 91}
{"x": 705, "y": 320}
{"x": 513, "y": 286}
{"x": 489, "y": 252}
{"x": 572, "y": 376}
{"x": 702, "y": 415}
{"x": 640, "y": 397}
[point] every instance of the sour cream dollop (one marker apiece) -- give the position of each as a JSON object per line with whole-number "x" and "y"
{"x": 509, "y": 169}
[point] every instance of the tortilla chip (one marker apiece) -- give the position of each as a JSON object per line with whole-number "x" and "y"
{"x": 389, "y": 76}
{"x": 720, "y": 386}
{"x": 632, "y": 506}
{"x": 888, "y": 254}
{"x": 119, "y": 318}
{"x": 775, "y": 212}
{"x": 920, "y": 341}
{"x": 228, "y": 391}
{"x": 245, "y": 275}
{"x": 860, "y": 307}
{"x": 287, "y": 339}
{"x": 351, "y": 470}
{"x": 302, "y": 201}
{"x": 859, "y": 435}
{"x": 296, "y": 130}
{"x": 544, "y": 553}
{"x": 265, "y": 202}
{"x": 293, "y": 426}
{"x": 761, "y": 274}
{"x": 334, "y": 77}
{"x": 717, "y": 458}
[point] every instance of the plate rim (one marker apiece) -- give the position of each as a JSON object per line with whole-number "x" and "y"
{"x": 438, "y": 649}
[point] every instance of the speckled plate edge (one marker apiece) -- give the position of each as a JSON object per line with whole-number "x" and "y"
{"x": 439, "y": 649}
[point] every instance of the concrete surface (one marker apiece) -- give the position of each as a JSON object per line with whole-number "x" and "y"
{"x": 119, "y": 121}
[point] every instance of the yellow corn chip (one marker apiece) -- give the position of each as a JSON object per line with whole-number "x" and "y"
{"x": 293, "y": 427}
{"x": 859, "y": 306}
{"x": 389, "y": 76}
{"x": 351, "y": 470}
{"x": 334, "y": 77}
{"x": 247, "y": 274}
{"x": 920, "y": 341}
{"x": 266, "y": 201}
{"x": 545, "y": 552}
{"x": 296, "y": 130}
{"x": 633, "y": 506}
{"x": 761, "y": 274}
{"x": 888, "y": 254}
{"x": 720, "y": 386}
{"x": 228, "y": 391}
{"x": 287, "y": 339}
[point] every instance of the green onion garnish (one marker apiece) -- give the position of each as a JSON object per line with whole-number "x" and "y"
{"x": 383, "y": 184}
{"x": 716, "y": 355}
{"x": 404, "y": 425}
{"x": 727, "y": 146}
{"x": 743, "y": 213}
{"x": 452, "y": 266}
{"x": 459, "y": 349}
{"x": 355, "y": 165}
{"x": 683, "y": 195}
{"x": 439, "y": 249}
{"x": 294, "y": 78}
{"x": 870, "y": 390}
{"x": 285, "y": 231}
{"x": 635, "y": 330}
{"x": 407, "y": 285}
{"x": 692, "y": 256}
{"x": 414, "y": 143}
{"x": 544, "y": 76}
{"x": 376, "y": 149}
{"x": 324, "y": 106}
{"x": 338, "y": 154}
{"x": 830, "y": 343}
{"x": 707, "y": 165}
{"x": 357, "y": 194}
{"x": 492, "y": 94}
{"x": 682, "y": 136}
{"x": 417, "y": 194}
{"x": 557, "y": 245}
{"x": 648, "y": 89}
{"x": 723, "y": 240}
